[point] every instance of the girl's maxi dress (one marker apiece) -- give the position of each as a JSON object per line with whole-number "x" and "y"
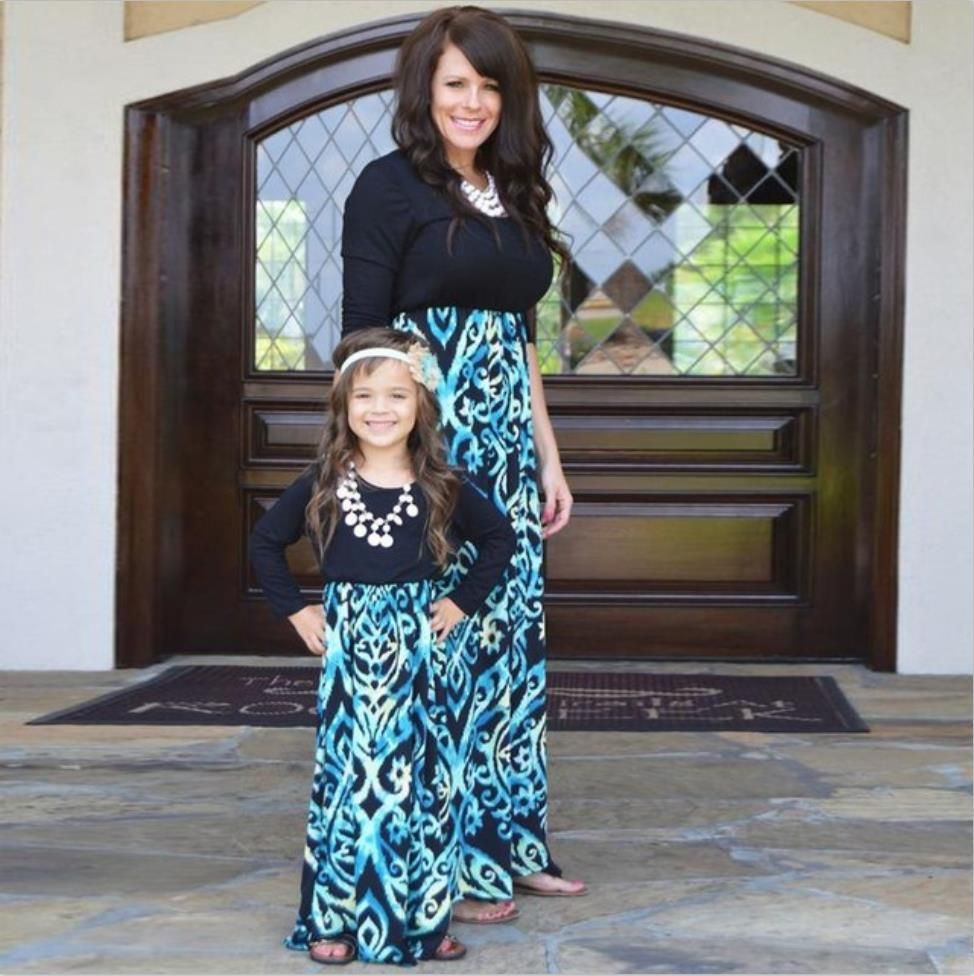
{"x": 468, "y": 299}
{"x": 381, "y": 849}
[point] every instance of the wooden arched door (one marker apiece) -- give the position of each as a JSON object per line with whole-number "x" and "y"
{"x": 722, "y": 362}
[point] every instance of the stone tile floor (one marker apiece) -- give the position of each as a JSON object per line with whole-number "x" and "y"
{"x": 177, "y": 850}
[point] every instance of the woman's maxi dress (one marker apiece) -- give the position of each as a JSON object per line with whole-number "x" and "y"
{"x": 495, "y": 663}
{"x": 467, "y": 298}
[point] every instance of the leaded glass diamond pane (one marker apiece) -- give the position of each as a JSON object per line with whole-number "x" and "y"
{"x": 304, "y": 174}
{"x": 683, "y": 229}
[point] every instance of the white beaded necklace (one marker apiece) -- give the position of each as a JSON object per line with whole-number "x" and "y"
{"x": 377, "y": 531}
{"x": 487, "y": 200}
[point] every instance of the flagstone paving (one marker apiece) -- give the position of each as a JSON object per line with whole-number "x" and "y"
{"x": 177, "y": 850}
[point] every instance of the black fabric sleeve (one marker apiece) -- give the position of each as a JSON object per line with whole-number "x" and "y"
{"x": 377, "y": 224}
{"x": 278, "y": 528}
{"x": 367, "y": 295}
{"x": 477, "y": 519}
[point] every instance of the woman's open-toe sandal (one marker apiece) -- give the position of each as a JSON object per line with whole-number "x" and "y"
{"x": 485, "y": 914}
{"x": 343, "y": 960}
{"x": 449, "y": 949}
{"x": 529, "y": 889}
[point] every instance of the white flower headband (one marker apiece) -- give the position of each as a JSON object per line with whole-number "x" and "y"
{"x": 422, "y": 364}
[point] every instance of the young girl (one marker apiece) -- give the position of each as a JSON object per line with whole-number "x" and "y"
{"x": 384, "y": 511}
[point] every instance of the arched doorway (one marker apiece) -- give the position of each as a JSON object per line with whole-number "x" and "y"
{"x": 722, "y": 362}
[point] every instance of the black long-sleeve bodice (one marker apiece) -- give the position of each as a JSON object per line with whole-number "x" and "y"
{"x": 349, "y": 558}
{"x": 397, "y": 259}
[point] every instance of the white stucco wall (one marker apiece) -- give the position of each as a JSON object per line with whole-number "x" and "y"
{"x": 67, "y": 76}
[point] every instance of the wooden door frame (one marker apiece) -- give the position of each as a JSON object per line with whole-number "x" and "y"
{"x": 158, "y": 135}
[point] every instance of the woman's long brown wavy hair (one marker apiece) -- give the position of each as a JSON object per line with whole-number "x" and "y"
{"x": 339, "y": 446}
{"x": 518, "y": 151}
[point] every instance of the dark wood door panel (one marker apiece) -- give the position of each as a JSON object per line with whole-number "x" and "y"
{"x": 280, "y": 434}
{"x": 692, "y": 438}
{"x": 282, "y": 431}
{"x": 654, "y": 547}
{"x": 644, "y": 549}
{"x": 583, "y": 629}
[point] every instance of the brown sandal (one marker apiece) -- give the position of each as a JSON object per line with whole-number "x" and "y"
{"x": 455, "y": 949}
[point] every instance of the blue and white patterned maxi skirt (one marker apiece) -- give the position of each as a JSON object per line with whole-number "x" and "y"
{"x": 380, "y": 856}
{"x": 496, "y": 660}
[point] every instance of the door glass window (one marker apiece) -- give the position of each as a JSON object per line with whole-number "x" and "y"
{"x": 683, "y": 231}
{"x": 304, "y": 173}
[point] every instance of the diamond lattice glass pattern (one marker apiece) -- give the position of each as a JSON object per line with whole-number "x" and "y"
{"x": 683, "y": 231}
{"x": 304, "y": 174}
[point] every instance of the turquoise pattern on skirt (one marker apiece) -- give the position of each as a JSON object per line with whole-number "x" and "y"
{"x": 381, "y": 852}
{"x": 496, "y": 658}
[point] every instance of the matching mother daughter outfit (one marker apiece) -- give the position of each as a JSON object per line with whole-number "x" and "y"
{"x": 445, "y": 742}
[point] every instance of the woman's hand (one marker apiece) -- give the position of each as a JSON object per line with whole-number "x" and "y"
{"x": 557, "y": 497}
{"x": 445, "y": 616}
{"x": 557, "y": 500}
{"x": 310, "y": 625}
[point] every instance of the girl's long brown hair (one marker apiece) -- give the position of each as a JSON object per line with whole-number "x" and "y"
{"x": 517, "y": 152}
{"x": 338, "y": 447}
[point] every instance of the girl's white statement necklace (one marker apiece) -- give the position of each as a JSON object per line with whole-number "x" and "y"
{"x": 486, "y": 201}
{"x": 377, "y": 531}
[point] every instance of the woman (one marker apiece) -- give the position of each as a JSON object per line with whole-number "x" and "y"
{"x": 448, "y": 238}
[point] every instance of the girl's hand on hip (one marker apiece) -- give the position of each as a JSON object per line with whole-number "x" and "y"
{"x": 310, "y": 625}
{"x": 445, "y": 616}
{"x": 557, "y": 501}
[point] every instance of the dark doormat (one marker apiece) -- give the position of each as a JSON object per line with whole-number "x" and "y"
{"x": 578, "y": 701}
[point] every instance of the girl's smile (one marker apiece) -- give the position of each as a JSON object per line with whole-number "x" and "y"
{"x": 382, "y": 406}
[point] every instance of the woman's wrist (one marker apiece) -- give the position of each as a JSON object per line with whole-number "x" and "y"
{"x": 548, "y": 454}
{"x": 545, "y": 445}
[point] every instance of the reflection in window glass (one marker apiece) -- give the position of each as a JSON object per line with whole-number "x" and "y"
{"x": 684, "y": 240}
{"x": 683, "y": 231}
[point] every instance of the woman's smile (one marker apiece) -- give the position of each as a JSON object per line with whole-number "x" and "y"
{"x": 468, "y": 125}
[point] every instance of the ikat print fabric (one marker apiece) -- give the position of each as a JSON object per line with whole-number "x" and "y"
{"x": 496, "y": 658}
{"x": 380, "y": 855}
{"x": 430, "y": 780}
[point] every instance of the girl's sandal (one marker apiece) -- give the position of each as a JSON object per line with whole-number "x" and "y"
{"x": 449, "y": 949}
{"x": 342, "y": 960}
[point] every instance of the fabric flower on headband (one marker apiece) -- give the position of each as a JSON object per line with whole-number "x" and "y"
{"x": 423, "y": 367}
{"x": 420, "y": 362}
